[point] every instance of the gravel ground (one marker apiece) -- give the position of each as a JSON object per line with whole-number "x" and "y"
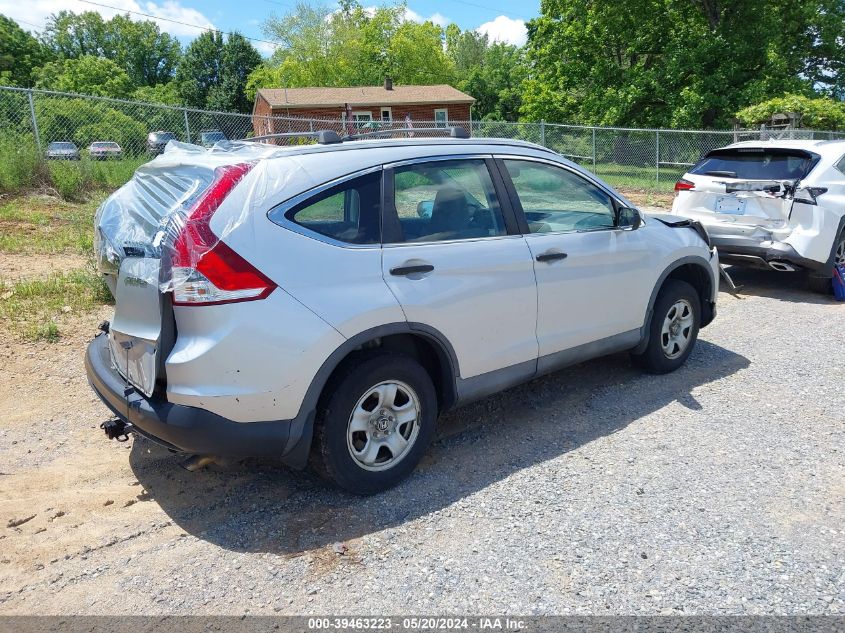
{"x": 718, "y": 489}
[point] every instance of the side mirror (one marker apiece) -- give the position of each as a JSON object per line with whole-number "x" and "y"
{"x": 629, "y": 219}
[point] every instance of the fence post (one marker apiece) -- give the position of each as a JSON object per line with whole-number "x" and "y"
{"x": 34, "y": 120}
{"x": 543, "y": 132}
{"x": 187, "y": 126}
{"x": 657, "y": 157}
{"x": 594, "y": 149}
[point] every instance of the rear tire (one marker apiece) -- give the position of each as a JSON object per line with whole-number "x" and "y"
{"x": 673, "y": 329}
{"x": 823, "y": 284}
{"x": 375, "y": 422}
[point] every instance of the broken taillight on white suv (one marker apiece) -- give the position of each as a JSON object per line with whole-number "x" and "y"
{"x": 204, "y": 270}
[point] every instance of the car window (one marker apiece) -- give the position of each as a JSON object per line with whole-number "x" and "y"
{"x": 348, "y": 212}
{"x": 755, "y": 164}
{"x": 447, "y": 200}
{"x": 841, "y": 165}
{"x": 556, "y": 200}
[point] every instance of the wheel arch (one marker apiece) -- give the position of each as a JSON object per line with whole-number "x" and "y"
{"x": 694, "y": 270}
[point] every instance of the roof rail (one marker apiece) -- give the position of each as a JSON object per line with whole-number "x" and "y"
{"x": 453, "y": 132}
{"x": 324, "y": 137}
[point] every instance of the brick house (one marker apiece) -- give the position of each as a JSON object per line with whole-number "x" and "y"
{"x": 359, "y": 105}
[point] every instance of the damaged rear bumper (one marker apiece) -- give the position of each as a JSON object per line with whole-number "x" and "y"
{"x": 190, "y": 429}
{"x": 748, "y": 251}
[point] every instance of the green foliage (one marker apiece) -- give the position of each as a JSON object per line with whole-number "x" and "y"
{"x": 83, "y": 121}
{"x": 147, "y": 56}
{"x": 353, "y": 46}
{"x": 492, "y": 73}
{"x": 213, "y": 73}
{"x": 20, "y": 53}
{"x": 167, "y": 93}
{"x": 69, "y": 179}
{"x": 821, "y": 113}
{"x": 675, "y": 62}
{"x": 88, "y": 75}
{"x": 20, "y": 164}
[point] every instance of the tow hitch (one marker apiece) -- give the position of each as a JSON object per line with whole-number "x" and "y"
{"x": 116, "y": 430}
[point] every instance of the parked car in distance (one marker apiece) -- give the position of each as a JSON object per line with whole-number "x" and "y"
{"x": 299, "y": 305}
{"x": 104, "y": 150}
{"x": 156, "y": 141}
{"x": 779, "y": 205}
{"x": 62, "y": 150}
{"x": 209, "y": 137}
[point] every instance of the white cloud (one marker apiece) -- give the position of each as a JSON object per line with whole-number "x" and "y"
{"x": 32, "y": 12}
{"x": 437, "y": 18}
{"x": 504, "y": 29}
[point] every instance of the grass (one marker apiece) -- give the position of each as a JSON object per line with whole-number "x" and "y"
{"x": 41, "y": 224}
{"x": 35, "y": 308}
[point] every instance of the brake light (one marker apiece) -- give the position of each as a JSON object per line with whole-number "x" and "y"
{"x": 204, "y": 270}
{"x": 684, "y": 185}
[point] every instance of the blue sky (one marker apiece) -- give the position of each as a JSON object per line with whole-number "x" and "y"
{"x": 501, "y": 19}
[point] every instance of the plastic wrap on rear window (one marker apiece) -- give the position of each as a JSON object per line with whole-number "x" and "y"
{"x": 146, "y": 216}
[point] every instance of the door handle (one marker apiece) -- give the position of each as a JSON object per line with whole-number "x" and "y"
{"x": 410, "y": 270}
{"x": 550, "y": 256}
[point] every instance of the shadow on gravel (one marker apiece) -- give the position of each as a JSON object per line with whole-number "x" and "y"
{"x": 260, "y": 507}
{"x": 771, "y": 284}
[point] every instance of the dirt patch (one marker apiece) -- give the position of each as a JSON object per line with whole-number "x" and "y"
{"x": 17, "y": 266}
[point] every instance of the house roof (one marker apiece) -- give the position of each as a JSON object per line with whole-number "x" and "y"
{"x": 361, "y": 96}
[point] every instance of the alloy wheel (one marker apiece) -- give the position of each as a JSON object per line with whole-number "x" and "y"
{"x": 676, "y": 332}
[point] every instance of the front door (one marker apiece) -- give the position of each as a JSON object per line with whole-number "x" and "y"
{"x": 456, "y": 265}
{"x": 593, "y": 279}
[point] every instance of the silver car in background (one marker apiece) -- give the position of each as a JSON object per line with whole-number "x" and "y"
{"x": 62, "y": 150}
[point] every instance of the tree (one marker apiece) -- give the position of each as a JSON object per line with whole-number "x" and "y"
{"x": 20, "y": 53}
{"x": 88, "y": 75}
{"x": 353, "y": 46}
{"x": 492, "y": 73}
{"x": 677, "y": 62}
{"x": 213, "y": 73}
{"x": 820, "y": 113}
{"x": 168, "y": 94}
{"x": 146, "y": 55}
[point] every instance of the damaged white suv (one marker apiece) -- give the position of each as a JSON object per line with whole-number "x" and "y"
{"x": 773, "y": 204}
{"x": 330, "y": 300}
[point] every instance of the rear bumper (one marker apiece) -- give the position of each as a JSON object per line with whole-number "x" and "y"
{"x": 190, "y": 429}
{"x": 767, "y": 254}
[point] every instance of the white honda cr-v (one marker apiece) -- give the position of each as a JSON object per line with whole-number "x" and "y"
{"x": 330, "y": 300}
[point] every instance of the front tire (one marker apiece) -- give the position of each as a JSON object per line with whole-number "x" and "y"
{"x": 673, "y": 329}
{"x": 375, "y": 422}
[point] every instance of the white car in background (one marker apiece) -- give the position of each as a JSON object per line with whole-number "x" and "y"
{"x": 775, "y": 204}
{"x": 331, "y": 300}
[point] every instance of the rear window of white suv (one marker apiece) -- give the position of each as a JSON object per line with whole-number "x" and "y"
{"x": 756, "y": 164}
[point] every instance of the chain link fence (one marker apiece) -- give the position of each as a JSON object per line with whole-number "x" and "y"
{"x": 30, "y": 120}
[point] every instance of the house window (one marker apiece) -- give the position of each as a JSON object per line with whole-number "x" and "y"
{"x": 441, "y": 117}
{"x": 362, "y": 117}
{"x": 386, "y": 115}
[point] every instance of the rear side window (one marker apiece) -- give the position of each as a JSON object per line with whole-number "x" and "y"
{"x": 348, "y": 212}
{"x": 756, "y": 164}
{"x": 447, "y": 200}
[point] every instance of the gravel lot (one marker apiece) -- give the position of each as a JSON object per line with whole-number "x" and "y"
{"x": 597, "y": 490}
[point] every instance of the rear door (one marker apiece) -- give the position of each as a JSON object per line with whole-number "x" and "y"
{"x": 593, "y": 280}
{"x": 454, "y": 259}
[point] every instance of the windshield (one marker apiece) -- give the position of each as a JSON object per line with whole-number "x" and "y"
{"x": 104, "y": 145}
{"x": 162, "y": 136}
{"x": 756, "y": 164}
{"x": 62, "y": 146}
{"x": 213, "y": 137}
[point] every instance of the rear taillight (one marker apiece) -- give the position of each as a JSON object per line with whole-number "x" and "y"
{"x": 684, "y": 185}
{"x": 205, "y": 271}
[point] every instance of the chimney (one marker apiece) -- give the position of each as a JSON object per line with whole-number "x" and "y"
{"x": 388, "y": 83}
